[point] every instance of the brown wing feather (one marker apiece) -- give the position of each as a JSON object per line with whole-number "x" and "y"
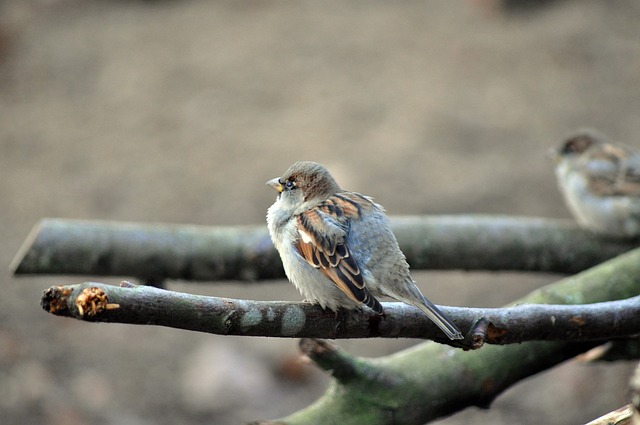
{"x": 622, "y": 175}
{"x": 322, "y": 243}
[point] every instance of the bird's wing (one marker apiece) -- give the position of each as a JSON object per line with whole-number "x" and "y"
{"x": 323, "y": 233}
{"x": 614, "y": 171}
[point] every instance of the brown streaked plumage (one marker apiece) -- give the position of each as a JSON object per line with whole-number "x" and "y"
{"x": 600, "y": 182}
{"x": 337, "y": 247}
{"x": 328, "y": 252}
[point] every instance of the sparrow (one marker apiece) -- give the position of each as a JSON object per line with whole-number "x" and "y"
{"x": 600, "y": 183}
{"x": 337, "y": 247}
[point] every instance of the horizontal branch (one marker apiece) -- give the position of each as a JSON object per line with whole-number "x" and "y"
{"x": 149, "y": 252}
{"x": 154, "y": 252}
{"x": 148, "y": 305}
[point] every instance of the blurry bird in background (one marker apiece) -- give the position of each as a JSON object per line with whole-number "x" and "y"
{"x": 600, "y": 183}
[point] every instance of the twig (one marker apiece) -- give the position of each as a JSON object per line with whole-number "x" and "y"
{"x": 98, "y": 302}
{"x": 621, "y": 416}
{"x": 342, "y": 366}
{"x": 154, "y": 252}
{"x": 634, "y": 387}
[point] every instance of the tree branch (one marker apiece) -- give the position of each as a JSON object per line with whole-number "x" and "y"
{"x": 154, "y": 252}
{"x": 344, "y": 367}
{"x": 148, "y": 305}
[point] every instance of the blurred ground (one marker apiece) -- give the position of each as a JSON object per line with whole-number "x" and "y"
{"x": 179, "y": 111}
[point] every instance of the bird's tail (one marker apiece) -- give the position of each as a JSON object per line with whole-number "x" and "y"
{"x": 436, "y": 316}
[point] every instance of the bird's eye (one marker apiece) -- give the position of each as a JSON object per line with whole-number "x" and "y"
{"x": 288, "y": 185}
{"x": 577, "y": 145}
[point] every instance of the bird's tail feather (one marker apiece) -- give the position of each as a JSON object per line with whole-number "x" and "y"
{"x": 437, "y": 317}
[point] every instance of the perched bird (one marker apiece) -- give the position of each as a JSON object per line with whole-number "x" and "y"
{"x": 337, "y": 246}
{"x": 600, "y": 182}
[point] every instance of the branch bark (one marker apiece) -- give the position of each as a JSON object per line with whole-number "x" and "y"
{"x": 147, "y": 305}
{"x": 154, "y": 252}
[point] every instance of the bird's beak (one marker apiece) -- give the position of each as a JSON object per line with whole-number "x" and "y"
{"x": 275, "y": 183}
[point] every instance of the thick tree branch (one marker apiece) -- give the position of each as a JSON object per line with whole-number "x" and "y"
{"x": 154, "y": 252}
{"x": 153, "y": 306}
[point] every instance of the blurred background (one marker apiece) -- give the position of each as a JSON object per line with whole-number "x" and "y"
{"x": 179, "y": 111}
